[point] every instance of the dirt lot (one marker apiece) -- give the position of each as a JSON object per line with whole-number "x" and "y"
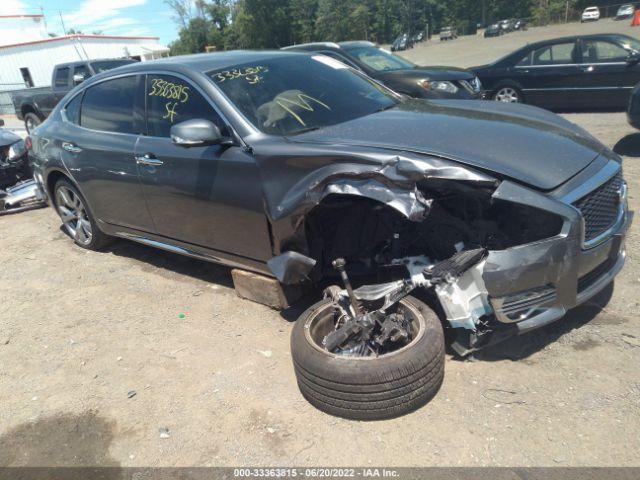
{"x": 81, "y": 332}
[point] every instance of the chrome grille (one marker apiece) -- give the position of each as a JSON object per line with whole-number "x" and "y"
{"x": 601, "y": 208}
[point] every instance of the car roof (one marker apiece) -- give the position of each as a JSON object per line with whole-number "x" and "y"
{"x": 205, "y": 62}
{"x": 573, "y": 38}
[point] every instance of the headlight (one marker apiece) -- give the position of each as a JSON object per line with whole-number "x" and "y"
{"x": 16, "y": 150}
{"x": 438, "y": 86}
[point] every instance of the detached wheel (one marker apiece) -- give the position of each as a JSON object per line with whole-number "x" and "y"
{"x": 77, "y": 220}
{"x": 508, "y": 94}
{"x": 31, "y": 121}
{"x": 369, "y": 387}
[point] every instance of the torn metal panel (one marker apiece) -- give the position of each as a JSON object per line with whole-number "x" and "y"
{"x": 294, "y": 185}
{"x": 291, "y": 267}
{"x": 23, "y": 196}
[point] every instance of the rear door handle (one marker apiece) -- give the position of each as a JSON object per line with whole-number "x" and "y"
{"x": 588, "y": 69}
{"x": 71, "y": 147}
{"x": 148, "y": 159}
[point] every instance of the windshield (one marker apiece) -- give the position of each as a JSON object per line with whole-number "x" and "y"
{"x": 379, "y": 59}
{"x": 105, "y": 65}
{"x": 289, "y": 95}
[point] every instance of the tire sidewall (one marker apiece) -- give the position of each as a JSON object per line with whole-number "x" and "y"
{"x": 36, "y": 119}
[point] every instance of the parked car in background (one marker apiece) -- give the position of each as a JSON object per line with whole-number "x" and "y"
{"x": 33, "y": 105}
{"x": 398, "y": 73}
{"x": 299, "y": 168}
{"x": 493, "y": 30}
{"x": 590, "y": 14}
{"x": 14, "y": 165}
{"x": 403, "y": 42}
{"x": 448, "y": 33}
{"x": 418, "y": 37}
{"x": 592, "y": 71}
{"x": 506, "y": 25}
{"x": 625, "y": 12}
{"x": 520, "y": 25}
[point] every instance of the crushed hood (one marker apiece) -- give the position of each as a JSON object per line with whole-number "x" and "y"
{"x": 527, "y": 144}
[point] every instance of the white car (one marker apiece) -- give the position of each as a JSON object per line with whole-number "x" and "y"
{"x": 625, "y": 11}
{"x": 590, "y": 14}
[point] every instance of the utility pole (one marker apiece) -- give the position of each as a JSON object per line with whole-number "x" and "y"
{"x": 566, "y": 13}
{"x": 64, "y": 29}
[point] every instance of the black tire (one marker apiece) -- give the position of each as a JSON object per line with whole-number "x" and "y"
{"x": 31, "y": 121}
{"x": 370, "y": 388}
{"x": 98, "y": 239}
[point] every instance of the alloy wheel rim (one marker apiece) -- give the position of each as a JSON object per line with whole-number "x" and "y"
{"x": 74, "y": 215}
{"x": 507, "y": 95}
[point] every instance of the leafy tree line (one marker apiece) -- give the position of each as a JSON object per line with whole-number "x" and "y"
{"x": 226, "y": 24}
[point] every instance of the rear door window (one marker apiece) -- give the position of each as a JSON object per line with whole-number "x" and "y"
{"x": 62, "y": 77}
{"x": 171, "y": 100}
{"x": 109, "y": 106}
{"x": 558, "y": 54}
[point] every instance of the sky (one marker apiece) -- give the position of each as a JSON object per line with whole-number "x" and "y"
{"x": 112, "y": 17}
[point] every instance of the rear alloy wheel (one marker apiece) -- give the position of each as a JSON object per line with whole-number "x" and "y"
{"x": 31, "y": 121}
{"x": 360, "y": 384}
{"x": 508, "y": 95}
{"x": 76, "y": 218}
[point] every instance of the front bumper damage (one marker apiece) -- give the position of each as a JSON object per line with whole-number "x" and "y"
{"x": 522, "y": 288}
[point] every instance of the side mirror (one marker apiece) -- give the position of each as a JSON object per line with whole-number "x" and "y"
{"x": 633, "y": 58}
{"x": 78, "y": 79}
{"x": 197, "y": 133}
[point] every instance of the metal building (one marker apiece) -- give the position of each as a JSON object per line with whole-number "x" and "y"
{"x": 28, "y": 53}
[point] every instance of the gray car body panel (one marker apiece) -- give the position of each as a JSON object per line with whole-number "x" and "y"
{"x": 525, "y": 155}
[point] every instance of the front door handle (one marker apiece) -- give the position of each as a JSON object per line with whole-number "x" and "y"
{"x": 588, "y": 68}
{"x": 71, "y": 147}
{"x": 148, "y": 159}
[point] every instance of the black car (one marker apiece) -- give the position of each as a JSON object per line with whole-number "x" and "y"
{"x": 13, "y": 158}
{"x": 494, "y": 30}
{"x": 404, "y": 41}
{"x": 301, "y": 169}
{"x": 591, "y": 71}
{"x": 398, "y": 73}
{"x": 520, "y": 25}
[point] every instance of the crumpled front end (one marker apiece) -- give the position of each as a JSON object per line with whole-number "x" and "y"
{"x": 535, "y": 255}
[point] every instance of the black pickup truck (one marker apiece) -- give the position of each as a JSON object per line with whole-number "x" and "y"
{"x": 33, "y": 105}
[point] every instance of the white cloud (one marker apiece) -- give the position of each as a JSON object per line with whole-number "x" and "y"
{"x": 92, "y": 13}
{"x": 12, "y": 7}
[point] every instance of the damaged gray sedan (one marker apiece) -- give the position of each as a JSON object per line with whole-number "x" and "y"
{"x": 501, "y": 217}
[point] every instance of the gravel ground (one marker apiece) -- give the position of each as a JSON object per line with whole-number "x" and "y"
{"x": 136, "y": 357}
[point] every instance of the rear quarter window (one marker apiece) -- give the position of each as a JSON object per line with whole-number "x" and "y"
{"x": 109, "y": 105}
{"x": 72, "y": 110}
